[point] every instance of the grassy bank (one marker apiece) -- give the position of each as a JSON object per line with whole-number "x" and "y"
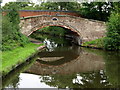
{"x": 10, "y": 59}
{"x": 98, "y": 43}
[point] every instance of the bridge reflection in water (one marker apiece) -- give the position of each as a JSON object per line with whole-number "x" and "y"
{"x": 64, "y": 65}
{"x": 73, "y": 60}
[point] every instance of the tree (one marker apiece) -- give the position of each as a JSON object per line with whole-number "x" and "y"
{"x": 112, "y": 41}
{"x": 66, "y": 6}
{"x": 20, "y": 5}
{"x": 13, "y": 16}
{"x": 11, "y": 36}
{"x": 96, "y": 10}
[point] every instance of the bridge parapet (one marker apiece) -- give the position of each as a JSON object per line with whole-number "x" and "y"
{"x": 26, "y": 13}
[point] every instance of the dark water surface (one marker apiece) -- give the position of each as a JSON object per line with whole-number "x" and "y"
{"x": 65, "y": 65}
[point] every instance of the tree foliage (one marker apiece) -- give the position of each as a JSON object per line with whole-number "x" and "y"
{"x": 93, "y": 10}
{"x": 19, "y": 5}
{"x": 96, "y": 10}
{"x": 11, "y": 36}
{"x": 112, "y": 41}
{"x": 66, "y": 6}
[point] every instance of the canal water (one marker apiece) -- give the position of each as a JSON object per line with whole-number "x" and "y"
{"x": 65, "y": 65}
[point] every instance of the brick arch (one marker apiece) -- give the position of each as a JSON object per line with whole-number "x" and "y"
{"x": 77, "y": 38}
{"x": 59, "y": 24}
{"x": 63, "y": 26}
{"x": 75, "y": 33}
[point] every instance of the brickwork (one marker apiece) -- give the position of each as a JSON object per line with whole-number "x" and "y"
{"x": 35, "y": 13}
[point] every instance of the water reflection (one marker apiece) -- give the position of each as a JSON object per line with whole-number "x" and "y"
{"x": 63, "y": 65}
{"x": 71, "y": 63}
{"x": 12, "y": 79}
{"x": 113, "y": 67}
{"x": 34, "y": 82}
{"x": 80, "y": 80}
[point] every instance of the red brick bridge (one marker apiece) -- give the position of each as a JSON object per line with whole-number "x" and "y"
{"x": 26, "y": 13}
{"x": 86, "y": 29}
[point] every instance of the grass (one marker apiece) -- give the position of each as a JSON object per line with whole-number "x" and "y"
{"x": 12, "y": 76}
{"x": 11, "y": 59}
{"x": 98, "y": 43}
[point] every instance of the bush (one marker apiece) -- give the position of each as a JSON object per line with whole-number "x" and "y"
{"x": 112, "y": 41}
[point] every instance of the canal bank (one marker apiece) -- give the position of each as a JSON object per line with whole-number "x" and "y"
{"x": 12, "y": 59}
{"x": 94, "y": 44}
